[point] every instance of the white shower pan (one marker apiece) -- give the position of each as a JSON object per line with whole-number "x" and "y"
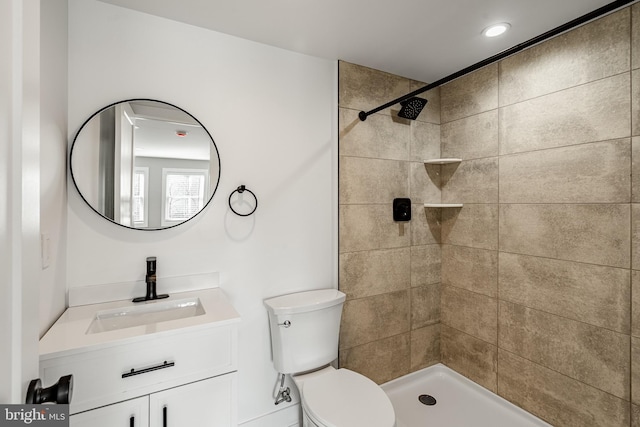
{"x": 459, "y": 402}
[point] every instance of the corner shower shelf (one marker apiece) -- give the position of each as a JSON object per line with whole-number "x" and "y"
{"x": 446, "y": 161}
{"x": 443, "y": 205}
{"x": 443, "y": 161}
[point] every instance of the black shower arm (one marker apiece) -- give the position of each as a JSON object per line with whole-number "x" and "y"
{"x": 610, "y": 7}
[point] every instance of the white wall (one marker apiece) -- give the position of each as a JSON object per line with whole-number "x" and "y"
{"x": 19, "y": 195}
{"x": 53, "y": 154}
{"x": 272, "y": 114}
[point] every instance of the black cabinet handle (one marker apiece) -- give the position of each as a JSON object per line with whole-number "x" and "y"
{"x": 164, "y": 416}
{"x": 132, "y": 421}
{"x": 151, "y": 369}
{"x": 60, "y": 392}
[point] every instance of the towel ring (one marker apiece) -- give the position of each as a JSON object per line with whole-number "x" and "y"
{"x": 241, "y": 190}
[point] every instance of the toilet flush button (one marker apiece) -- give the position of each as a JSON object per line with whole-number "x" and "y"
{"x": 286, "y": 324}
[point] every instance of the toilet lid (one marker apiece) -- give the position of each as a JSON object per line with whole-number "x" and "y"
{"x": 343, "y": 398}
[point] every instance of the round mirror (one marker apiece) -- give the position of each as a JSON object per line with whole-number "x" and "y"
{"x": 145, "y": 164}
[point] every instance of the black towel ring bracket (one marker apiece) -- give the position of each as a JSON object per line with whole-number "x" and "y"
{"x": 241, "y": 190}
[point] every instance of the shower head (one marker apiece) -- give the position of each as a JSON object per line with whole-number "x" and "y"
{"x": 411, "y": 108}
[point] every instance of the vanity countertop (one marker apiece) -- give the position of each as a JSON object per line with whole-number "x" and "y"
{"x": 72, "y": 333}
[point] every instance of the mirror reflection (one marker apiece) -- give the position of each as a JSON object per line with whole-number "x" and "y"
{"x": 145, "y": 164}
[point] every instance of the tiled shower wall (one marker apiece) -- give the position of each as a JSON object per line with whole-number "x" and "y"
{"x": 389, "y": 271}
{"x": 538, "y": 275}
{"x": 537, "y": 267}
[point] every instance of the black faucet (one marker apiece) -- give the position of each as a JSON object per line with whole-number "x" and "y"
{"x": 150, "y": 278}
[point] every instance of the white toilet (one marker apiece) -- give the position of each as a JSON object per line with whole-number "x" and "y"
{"x": 304, "y": 338}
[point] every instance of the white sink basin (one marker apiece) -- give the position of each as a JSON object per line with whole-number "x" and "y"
{"x": 99, "y": 326}
{"x": 147, "y": 313}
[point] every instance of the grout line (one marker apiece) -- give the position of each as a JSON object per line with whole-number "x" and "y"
{"x": 471, "y": 291}
{"x": 339, "y": 204}
{"x": 571, "y": 319}
{"x": 631, "y": 224}
{"x": 537, "y": 150}
{"x": 573, "y": 86}
{"x": 610, "y": 76}
{"x": 498, "y": 244}
{"x": 541, "y": 256}
{"x": 563, "y": 374}
{"x": 498, "y": 155}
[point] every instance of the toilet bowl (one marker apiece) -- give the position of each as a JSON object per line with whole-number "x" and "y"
{"x": 304, "y": 338}
{"x": 341, "y": 397}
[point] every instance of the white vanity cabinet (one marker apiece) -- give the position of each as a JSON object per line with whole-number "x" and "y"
{"x": 204, "y": 403}
{"x": 130, "y": 413}
{"x": 179, "y": 372}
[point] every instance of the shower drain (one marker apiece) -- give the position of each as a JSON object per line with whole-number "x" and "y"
{"x": 426, "y": 399}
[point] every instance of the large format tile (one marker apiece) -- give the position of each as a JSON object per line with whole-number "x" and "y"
{"x": 366, "y": 227}
{"x": 589, "y": 293}
{"x": 422, "y": 186}
{"x": 587, "y": 173}
{"x": 472, "y": 181}
{"x": 381, "y": 360}
{"x": 426, "y": 225}
{"x": 474, "y": 93}
{"x": 469, "y": 312}
{"x": 635, "y": 370}
{"x": 425, "y": 347}
{"x": 425, "y": 305}
{"x": 474, "y": 225}
{"x": 596, "y": 111}
{"x": 363, "y": 88}
{"x": 425, "y": 141}
{"x": 596, "y": 356}
{"x": 635, "y": 36}
{"x": 635, "y": 236}
{"x": 635, "y": 102}
{"x": 556, "y": 398}
{"x": 471, "y": 137}
{"x": 635, "y": 167}
{"x": 635, "y": 304}
{"x": 473, "y": 269}
{"x": 369, "y": 319}
{"x": 372, "y": 180}
{"x": 597, "y": 233}
{"x": 372, "y": 138}
{"x": 470, "y": 356}
{"x": 431, "y": 112}
{"x": 425, "y": 264}
{"x": 368, "y": 273}
{"x": 593, "y": 51}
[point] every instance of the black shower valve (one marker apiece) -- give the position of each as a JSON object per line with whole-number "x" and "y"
{"x": 401, "y": 209}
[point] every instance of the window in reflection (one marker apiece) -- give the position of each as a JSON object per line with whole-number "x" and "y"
{"x": 140, "y": 197}
{"x": 184, "y": 191}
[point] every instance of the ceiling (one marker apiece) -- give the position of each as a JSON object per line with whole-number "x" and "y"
{"x": 420, "y": 39}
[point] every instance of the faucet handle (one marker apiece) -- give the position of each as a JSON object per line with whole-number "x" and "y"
{"x": 151, "y": 265}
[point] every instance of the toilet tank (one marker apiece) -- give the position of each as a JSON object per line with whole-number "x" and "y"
{"x": 304, "y": 329}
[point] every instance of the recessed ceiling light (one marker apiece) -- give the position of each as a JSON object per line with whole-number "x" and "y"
{"x": 496, "y": 29}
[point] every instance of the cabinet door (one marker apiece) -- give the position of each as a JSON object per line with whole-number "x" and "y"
{"x": 130, "y": 413}
{"x": 206, "y": 403}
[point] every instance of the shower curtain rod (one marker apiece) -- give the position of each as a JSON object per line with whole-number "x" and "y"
{"x": 510, "y": 51}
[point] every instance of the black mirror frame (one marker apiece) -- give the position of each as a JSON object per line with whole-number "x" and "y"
{"x": 75, "y": 184}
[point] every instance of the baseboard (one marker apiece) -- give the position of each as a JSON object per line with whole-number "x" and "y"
{"x": 286, "y": 417}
